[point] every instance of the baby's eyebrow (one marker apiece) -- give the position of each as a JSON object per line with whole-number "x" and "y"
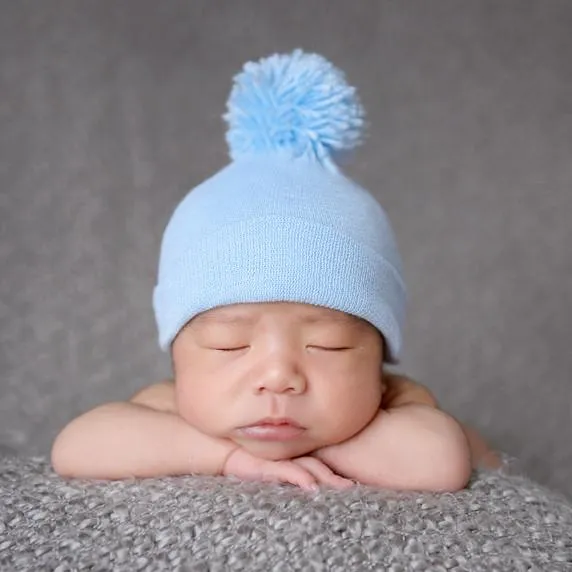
{"x": 221, "y": 318}
{"x": 339, "y": 318}
{"x": 245, "y": 320}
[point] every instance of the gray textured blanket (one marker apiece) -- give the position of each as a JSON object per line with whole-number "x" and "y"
{"x": 503, "y": 522}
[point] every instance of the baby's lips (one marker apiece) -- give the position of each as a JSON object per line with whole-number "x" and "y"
{"x": 271, "y": 432}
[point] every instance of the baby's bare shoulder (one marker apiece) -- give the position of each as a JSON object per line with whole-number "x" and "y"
{"x": 402, "y": 390}
{"x": 159, "y": 396}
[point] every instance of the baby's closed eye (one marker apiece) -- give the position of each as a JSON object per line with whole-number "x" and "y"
{"x": 329, "y": 348}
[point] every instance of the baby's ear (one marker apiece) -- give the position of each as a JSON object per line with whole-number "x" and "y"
{"x": 172, "y": 362}
{"x": 383, "y": 378}
{"x": 384, "y": 349}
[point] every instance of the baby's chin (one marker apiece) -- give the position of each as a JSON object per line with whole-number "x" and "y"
{"x": 278, "y": 450}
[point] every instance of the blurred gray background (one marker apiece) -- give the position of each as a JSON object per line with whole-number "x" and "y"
{"x": 110, "y": 111}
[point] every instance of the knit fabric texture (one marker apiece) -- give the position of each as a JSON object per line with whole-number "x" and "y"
{"x": 503, "y": 522}
{"x": 265, "y": 230}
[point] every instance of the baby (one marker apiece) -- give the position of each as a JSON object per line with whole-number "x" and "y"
{"x": 280, "y": 298}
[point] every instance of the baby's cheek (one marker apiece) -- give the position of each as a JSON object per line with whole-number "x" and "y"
{"x": 346, "y": 425}
{"x": 353, "y": 412}
{"x": 191, "y": 404}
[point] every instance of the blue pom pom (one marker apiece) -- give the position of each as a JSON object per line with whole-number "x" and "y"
{"x": 299, "y": 104}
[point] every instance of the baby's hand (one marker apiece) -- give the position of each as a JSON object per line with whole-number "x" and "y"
{"x": 306, "y": 472}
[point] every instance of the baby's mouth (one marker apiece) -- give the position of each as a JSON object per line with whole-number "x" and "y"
{"x": 272, "y": 429}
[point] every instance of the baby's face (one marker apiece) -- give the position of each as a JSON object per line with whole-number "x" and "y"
{"x": 280, "y": 379}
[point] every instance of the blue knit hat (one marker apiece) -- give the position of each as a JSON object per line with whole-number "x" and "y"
{"x": 281, "y": 222}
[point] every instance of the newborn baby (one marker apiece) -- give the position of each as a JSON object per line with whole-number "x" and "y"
{"x": 280, "y": 297}
{"x": 276, "y": 391}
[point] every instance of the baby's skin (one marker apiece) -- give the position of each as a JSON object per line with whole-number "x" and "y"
{"x": 279, "y": 392}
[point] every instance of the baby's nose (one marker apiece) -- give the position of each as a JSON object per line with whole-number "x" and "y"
{"x": 281, "y": 376}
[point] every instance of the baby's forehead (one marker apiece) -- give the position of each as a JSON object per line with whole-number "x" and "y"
{"x": 287, "y": 312}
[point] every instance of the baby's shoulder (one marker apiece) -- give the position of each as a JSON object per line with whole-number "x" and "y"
{"x": 402, "y": 390}
{"x": 159, "y": 396}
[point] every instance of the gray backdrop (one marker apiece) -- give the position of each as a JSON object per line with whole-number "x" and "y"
{"x": 110, "y": 112}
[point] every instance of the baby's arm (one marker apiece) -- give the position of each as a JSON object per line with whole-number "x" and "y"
{"x": 409, "y": 445}
{"x": 141, "y": 438}
{"x": 146, "y": 438}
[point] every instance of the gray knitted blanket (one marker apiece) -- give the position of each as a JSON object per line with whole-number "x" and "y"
{"x": 502, "y": 522}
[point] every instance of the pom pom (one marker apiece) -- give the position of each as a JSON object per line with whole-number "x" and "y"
{"x": 299, "y": 104}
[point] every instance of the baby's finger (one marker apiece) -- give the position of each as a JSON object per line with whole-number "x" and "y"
{"x": 323, "y": 473}
{"x": 288, "y": 472}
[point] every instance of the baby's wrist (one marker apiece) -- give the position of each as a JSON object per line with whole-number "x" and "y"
{"x": 204, "y": 454}
{"x": 225, "y": 467}
{"x": 324, "y": 454}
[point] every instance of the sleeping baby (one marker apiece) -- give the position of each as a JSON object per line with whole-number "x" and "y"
{"x": 280, "y": 299}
